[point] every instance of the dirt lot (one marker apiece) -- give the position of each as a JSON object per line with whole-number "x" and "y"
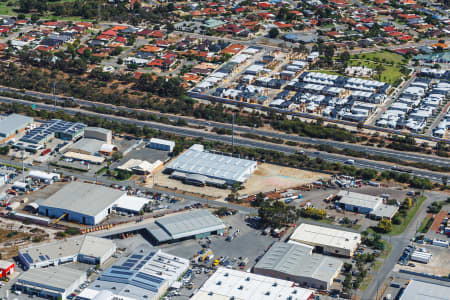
{"x": 269, "y": 177}
{"x": 266, "y": 178}
{"x": 438, "y": 265}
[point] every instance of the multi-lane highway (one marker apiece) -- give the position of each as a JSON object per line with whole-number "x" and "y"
{"x": 361, "y": 163}
{"x": 406, "y": 156}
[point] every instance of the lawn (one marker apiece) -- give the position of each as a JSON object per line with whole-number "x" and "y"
{"x": 365, "y": 283}
{"x": 398, "y": 229}
{"x": 387, "y": 250}
{"x": 391, "y": 63}
{"x": 9, "y": 11}
{"x": 425, "y": 225}
{"x": 6, "y": 10}
{"x": 380, "y": 55}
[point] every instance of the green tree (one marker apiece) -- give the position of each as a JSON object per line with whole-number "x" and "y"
{"x": 273, "y": 32}
{"x": 117, "y": 155}
{"x": 34, "y": 18}
{"x": 385, "y": 225}
{"x": 276, "y": 214}
{"x": 345, "y": 56}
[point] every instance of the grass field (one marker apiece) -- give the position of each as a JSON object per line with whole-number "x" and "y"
{"x": 390, "y": 74}
{"x": 389, "y": 57}
{"x": 391, "y": 63}
{"x": 6, "y": 10}
{"x": 398, "y": 229}
{"x": 425, "y": 225}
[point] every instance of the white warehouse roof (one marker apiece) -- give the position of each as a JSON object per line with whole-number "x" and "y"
{"x": 162, "y": 142}
{"x": 227, "y": 284}
{"x": 419, "y": 290}
{"x": 213, "y": 165}
{"x": 131, "y": 203}
{"x": 318, "y": 235}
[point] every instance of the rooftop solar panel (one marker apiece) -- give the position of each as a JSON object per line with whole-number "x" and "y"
{"x": 136, "y": 256}
{"x": 28, "y": 258}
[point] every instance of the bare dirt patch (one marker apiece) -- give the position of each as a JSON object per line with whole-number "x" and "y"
{"x": 269, "y": 177}
{"x": 266, "y": 178}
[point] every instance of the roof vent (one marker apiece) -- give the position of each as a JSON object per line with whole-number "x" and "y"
{"x": 219, "y": 282}
{"x": 226, "y": 275}
{"x": 247, "y": 279}
{"x": 241, "y": 287}
{"x": 275, "y": 284}
{"x": 210, "y": 293}
{"x": 267, "y": 293}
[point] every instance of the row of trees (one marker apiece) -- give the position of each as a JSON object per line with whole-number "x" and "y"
{"x": 259, "y": 154}
{"x": 120, "y": 11}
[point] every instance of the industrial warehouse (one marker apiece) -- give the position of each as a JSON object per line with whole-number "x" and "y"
{"x": 419, "y": 290}
{"x": 327, "y": 240}
{"x": 146, "y": 274}
{"x": 366, "y": 204}
{"x": 197, "y": 166}
{"x": 81, "y": 202}
{"x": 84, "y": 249}
{"x": 13, "y": 124}
{"x": 52, "y": 282}
{"x": 54, "y": 129}
{"x": 294, "y": 261}
{"x": 232, "y": 284}
{"x": 193, "y": 224}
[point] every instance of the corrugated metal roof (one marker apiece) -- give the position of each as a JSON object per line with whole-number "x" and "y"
{"x": 53, "y": 278}
{"x": 419, "y": 290}
{"x": 213, "y": 165}
{"x": 84, "y": 198}
{"x": 293, "y": 259}
{"x": 190, "y": 223}
{"x": 12, "y": 123}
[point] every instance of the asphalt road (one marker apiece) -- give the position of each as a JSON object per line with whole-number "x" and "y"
{"x": 406, "y": 156}
{"x": 92, "y": 177}
{"x": 361, "y": 163}
{"x": 399, "y": 242}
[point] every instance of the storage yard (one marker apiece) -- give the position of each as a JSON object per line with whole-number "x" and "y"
{"x": 438, "y": 262}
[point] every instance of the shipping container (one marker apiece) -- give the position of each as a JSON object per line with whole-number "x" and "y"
{"x": 422, "y": 257}
{"x": 46, "y": 151}
{"x": 440, "y": 243}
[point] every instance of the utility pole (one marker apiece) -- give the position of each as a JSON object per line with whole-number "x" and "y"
{"x": 232, "y": 135}
{"x": 99, "y": 7}
{"x": 54, "y": 95}
{"x": 23, "y": 165}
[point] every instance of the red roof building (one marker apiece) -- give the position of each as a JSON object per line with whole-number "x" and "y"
{"x": 110, "y": 33}
{"x": 7, "y": 268}
{"x": 264, "y": 5}
{"x": 120, "y": 39}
